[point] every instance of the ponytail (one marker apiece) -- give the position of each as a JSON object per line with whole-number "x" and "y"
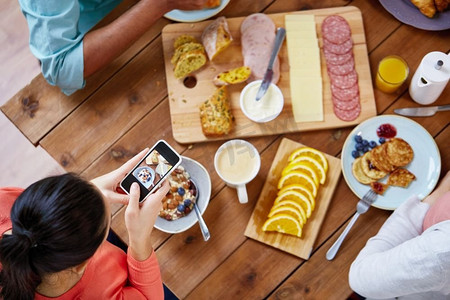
{"x": 57, "y": 223}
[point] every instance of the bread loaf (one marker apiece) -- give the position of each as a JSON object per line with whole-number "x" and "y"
{"x": 216, "y": 37}
{"x": 183, "y": 39}
{"x": 215, "y": 114}
{"x": 189, "y": 62}
{"x": 184, "y": 48}
{"x": 233, "y": 76}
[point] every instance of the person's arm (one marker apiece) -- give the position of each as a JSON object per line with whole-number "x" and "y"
{"x": 103, "y": 45}
{"x": 399, "y": 260}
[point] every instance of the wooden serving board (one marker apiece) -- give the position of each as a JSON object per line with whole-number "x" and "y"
{"x": 185, "y": 102}
{"x": 302, "y": 246}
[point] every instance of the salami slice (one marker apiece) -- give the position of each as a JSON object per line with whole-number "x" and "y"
{"x": 336, "y": 29}
{"x": 336, "y": 59}
{"x": 343, "y": 69}
{"x": 344, "y": 81}
{"x": 338, "y": 48}
{"x": 345, "y": 94}
{"x": 346, "y": 105}
{"x": 347, "y": 115}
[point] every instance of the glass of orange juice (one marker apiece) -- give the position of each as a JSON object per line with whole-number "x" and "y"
{"x": 392, "y": 72}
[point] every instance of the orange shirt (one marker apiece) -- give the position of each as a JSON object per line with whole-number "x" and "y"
{"x": 109, "y": 274}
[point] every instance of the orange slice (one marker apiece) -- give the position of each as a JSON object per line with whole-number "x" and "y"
{"x": 291, "y": 204}
{"x": 302, "y": 167}
{"x": 314, "y": 164}
{"x": 295, "y": 177}
{"x": 290, "y": 210}
{"x": 298, "y": 197}
{"x": 311, "y": 152}
{"x": 298, "y": 188}
{"x": 283, "y": 223}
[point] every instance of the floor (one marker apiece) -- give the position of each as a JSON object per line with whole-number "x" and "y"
{"x": 21, "y": 162}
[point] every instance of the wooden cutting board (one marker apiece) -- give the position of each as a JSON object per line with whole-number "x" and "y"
{"x": 302, "y": 246}
{"x": 184, "y": 101}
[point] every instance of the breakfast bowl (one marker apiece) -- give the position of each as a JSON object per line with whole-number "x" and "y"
{"x": 265, "y": 109}
{"x": 200, "y": 176}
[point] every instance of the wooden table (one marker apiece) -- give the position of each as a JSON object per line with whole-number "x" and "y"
{"x": 124, "y": 108}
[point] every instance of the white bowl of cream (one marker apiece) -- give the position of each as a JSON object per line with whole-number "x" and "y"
{"x": 265, "y": 109}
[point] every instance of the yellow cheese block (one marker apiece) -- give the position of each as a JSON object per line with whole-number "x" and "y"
{"x": 306, "y": 98}
{"x": 305, "y": 71}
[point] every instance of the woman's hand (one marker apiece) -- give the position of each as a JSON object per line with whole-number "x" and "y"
{"x": 140, "y": 219}
{"x": 108, "y": 183}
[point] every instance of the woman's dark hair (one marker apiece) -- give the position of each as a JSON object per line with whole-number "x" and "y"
{"x": 57, "y": 223}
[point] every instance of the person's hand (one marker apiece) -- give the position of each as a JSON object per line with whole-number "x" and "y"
{"x": 108, "y": 183}
{"x": 442, "y": 188}
{"x": 185, "y": 4}
{"x": 140, "y": 219}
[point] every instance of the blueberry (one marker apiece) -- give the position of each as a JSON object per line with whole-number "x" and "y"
{"x": 358, "y": 138}
{"x": 382, "y": 140}
{"x": 366, "y": 148}
{"x": 355, "y": 154}
{"x": 359, "y": 146}
{"x": 181, "y": 191}
{"x": 372, "y": 144}
{"x": 180, "y": 207}
{"x": 187, "y": 202}
{"x": 365, "y": 142}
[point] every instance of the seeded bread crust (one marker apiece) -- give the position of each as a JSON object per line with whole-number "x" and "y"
{"x": 215, "y": 114}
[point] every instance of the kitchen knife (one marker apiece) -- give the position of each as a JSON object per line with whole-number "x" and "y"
{"x": 421, "y": 111}
{"x": 281, "y": 32}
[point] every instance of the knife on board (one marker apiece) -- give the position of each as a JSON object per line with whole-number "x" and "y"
{"x": 281, "y": 32}
{"x": 421, "y": 111}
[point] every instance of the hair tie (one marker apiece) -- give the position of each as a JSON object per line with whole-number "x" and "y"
{"x": 30, "y": 238}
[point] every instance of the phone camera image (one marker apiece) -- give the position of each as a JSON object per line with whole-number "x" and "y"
{"x": 152, "y": 169}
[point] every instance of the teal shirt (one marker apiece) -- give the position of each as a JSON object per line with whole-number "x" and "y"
{"x": 57, "y": 28}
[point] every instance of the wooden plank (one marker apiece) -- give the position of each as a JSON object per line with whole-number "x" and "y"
{"x": 308, "y": 280}
{"x": 184, "y": 107}
{"x": 322, "y": 279}
{"x": 301, "y": 247}
{"x": 110, "y": 112}
{"x": 47, "y": 105}
{"x": 412, "y": 45}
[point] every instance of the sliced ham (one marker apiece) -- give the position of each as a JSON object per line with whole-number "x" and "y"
{"x": 257, "y": 39}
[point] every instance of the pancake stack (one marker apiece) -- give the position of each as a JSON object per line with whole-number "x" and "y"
{"x": 388, "y": 159}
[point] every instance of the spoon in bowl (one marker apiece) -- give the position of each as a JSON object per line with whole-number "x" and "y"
{"x": 201, "y": 222}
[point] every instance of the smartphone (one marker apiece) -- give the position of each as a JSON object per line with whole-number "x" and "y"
{"x": 150, "y": 172}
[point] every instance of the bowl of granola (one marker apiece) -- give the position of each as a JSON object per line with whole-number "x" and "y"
{"x": 176, "y": 214}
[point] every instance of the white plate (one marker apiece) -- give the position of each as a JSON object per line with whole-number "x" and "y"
{"x": 426, "y": 164}
{"x": 195, "y": 15}
{"x": 201, "y": 178}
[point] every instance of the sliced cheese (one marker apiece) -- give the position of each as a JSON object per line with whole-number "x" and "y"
{"x": 305, "y": 71}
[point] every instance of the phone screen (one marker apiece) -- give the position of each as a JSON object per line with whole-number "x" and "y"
{"x": 159, "y": 162}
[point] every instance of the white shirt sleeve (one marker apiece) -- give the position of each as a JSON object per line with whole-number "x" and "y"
{"x": 400, "y": 259}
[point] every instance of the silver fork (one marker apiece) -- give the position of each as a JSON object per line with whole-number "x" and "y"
{"x": 362, "y": 207}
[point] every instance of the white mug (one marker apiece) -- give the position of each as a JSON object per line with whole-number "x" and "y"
{"x": 237, "y": 162}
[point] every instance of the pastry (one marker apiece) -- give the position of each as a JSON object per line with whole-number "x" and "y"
{"x": 369, "y": 169}
{"x": 399, "y": 152}
{"x": 378, "y": 187}
{"x": 401, "y": 177}
{"x": 216, "y": 37}
{"x": 215, "y": 114}
{"x": 426, "y": 7}
{"x": 359, "y": 174}
{"x": 233, "y": 76}
{"x": 379, "y": 160}
{"x": 212, "y": 3}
